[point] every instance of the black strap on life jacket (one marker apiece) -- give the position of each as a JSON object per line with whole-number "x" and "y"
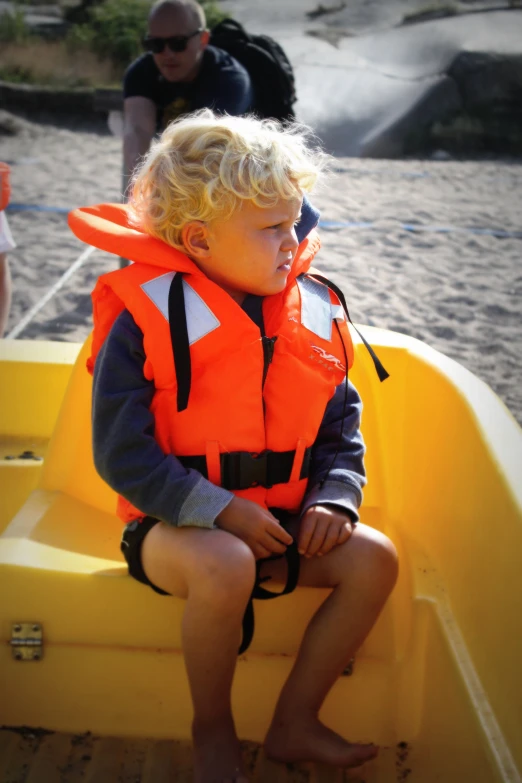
{"x": 180, "y": 340}
{"x": 181, "y": 345}
{"x": 381, "y": 371}
{"x": 292, "y": 562}
{"x": 242, "y": 469}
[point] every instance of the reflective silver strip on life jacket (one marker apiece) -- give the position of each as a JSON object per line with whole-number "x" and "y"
{"x": 338, "y": 313}
{"x": 316, "y": 311}
{"x": 316, "y": 308}
{"x": 200, "y": 318}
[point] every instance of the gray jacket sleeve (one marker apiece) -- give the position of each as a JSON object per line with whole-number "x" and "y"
{"x": 340, "y": 481}
{"x": 126, "y": 454}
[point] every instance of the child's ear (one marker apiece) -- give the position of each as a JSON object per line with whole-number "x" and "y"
{"x": 194, "y": 236}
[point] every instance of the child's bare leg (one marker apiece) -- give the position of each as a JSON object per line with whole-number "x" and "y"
{"x": 215, "y": 572}
{"x": 362, "y": 572}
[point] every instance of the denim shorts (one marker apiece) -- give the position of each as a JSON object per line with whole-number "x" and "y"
{"x": 131, "y": 541}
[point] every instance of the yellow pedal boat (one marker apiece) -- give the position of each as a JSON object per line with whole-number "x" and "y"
{"x": 438, "y": 683}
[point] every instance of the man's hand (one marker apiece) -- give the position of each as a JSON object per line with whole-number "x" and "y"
{"x": 256, "y": 526}
{"x": 323, "y": 528}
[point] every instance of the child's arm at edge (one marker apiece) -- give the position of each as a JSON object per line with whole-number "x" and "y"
{"x": 329, "y": 511}
{"x": 343, "y": 484}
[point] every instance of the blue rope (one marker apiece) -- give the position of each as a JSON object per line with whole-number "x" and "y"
{"x": 492, "y": 232}
{"x": 415, "y": 227}
{"x": 332, "y": 224}
{"x": 13, "y": 207}
{"x": 344, "y": 224}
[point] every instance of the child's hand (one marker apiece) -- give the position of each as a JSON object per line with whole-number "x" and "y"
{"x": 254, "y": 525}
{"x": 322, "y": 528}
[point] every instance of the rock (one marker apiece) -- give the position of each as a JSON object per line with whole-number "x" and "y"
{"x": 11, "y": 125}
{"x": 490, "y": 117}
{"x": 484, "y": 78}
{"x": 440, "y": 155}
{"x": 440, "y": 99}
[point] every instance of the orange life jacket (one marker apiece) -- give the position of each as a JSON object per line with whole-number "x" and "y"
{"x": 241, "y": 399}
{"x": 5, "y": 186}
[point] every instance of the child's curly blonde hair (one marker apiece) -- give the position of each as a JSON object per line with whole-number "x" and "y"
{"x": 204, "y": 166}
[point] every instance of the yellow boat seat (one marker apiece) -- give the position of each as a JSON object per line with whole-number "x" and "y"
{"x": 27, "y": 419}
{"x": 114, "y": 645}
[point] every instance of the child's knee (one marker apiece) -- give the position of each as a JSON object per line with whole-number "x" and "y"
{"x": 227, "y": 571}
{"x": 380, "y": 556}
{"x": 367, "y": 561}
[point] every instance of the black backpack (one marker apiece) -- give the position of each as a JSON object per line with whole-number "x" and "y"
{"x": 268, "y": 66}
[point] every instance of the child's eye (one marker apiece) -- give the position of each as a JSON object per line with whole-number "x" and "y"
{"x": 280, "y": 225}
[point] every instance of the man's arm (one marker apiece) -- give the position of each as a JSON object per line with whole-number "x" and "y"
{"x": 139, "y": 126}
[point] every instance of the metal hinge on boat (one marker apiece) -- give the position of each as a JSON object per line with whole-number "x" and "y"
{"x": 27, "y": 641}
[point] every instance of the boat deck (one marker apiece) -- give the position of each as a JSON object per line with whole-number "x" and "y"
{"x": 38, "y": 756}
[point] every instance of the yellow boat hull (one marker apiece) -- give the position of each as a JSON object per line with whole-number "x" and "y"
{"x": 441, "y": 670}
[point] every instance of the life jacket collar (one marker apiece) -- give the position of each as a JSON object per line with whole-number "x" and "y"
{"x": 107, "y": 227}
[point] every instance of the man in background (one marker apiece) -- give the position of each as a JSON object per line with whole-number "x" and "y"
{"x": 178, "y": 74}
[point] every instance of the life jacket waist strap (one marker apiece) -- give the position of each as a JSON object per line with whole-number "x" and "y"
{"x": 242, "y": 469}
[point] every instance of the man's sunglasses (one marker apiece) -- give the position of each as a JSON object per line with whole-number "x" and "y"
{"x": 176, "y": 43}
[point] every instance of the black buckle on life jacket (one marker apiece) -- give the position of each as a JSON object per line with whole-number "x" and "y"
{"x": 243, "y": 470}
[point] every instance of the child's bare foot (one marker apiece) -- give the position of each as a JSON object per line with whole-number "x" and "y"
{"x": 305, "y": 738}
{"x": 217, "y": 755}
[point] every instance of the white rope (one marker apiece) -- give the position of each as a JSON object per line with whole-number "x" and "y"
{"x": 28, "y": 317}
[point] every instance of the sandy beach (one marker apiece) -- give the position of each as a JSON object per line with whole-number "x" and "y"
{"x": 430, "y": 248}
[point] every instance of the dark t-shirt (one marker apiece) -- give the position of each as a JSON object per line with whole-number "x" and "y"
{"x": 222, "y": 84}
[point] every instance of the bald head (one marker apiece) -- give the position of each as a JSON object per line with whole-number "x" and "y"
{"x": 182, "y": 21}
{"x": 187, "y": 10}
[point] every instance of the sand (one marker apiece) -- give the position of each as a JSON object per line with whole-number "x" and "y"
{"x": 457, "y": 289}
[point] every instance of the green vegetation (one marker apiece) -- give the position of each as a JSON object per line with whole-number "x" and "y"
{"x": 114, "y": 30}
{"x": 13, "y": 27}
{"x": 102, "y": 37}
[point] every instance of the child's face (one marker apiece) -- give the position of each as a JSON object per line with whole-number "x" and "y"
{"x": 252, "y": 252}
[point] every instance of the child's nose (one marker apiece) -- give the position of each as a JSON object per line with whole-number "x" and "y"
{"x": 290, "y": 241}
